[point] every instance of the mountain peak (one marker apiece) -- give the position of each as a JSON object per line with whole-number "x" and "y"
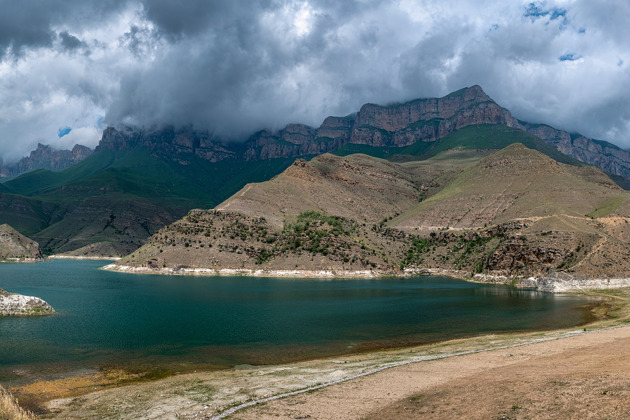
{"x": 474, "y": 93}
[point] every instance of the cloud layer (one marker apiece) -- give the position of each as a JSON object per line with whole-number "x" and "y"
{"x": 234, "y": 67}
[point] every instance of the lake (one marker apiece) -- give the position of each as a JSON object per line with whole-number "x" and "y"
{"x": 180, "y": 323}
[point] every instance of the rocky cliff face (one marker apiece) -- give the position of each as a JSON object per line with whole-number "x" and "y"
{"x": 177, "y": 144}
{"x": 395, "y": 125}
{"x": 46, "y": 157}
{"x": 426, "y": 119}
{"x": 602, "y": 154}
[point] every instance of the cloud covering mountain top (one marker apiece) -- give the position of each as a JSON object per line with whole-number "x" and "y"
{"x": 234, "y": 67}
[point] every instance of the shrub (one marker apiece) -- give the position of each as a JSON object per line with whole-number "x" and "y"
{"x": 9, "y": 409}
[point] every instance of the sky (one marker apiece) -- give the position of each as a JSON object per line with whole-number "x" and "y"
{"x": 70, "y": 68}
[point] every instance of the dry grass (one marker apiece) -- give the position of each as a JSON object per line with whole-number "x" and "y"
{"x": 9, "y": 408}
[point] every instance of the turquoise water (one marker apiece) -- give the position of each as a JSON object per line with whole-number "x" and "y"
{"x": 107, "y": 318}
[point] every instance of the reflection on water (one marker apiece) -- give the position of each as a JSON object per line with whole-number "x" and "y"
{"x": 179, "y": 322}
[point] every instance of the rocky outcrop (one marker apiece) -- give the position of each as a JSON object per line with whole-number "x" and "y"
{"x": 565, "y": 282}
{"x": 12, "y": 304}
{"x": 180, "y": 145}
{"x": 46, "y": 157}
{"x": 17, "y": 247}
{"x": 394, "y": 125}
{"x": 602, "y": 154}
{"x": 337, "y": 128}
{"x": 426, "y": 119}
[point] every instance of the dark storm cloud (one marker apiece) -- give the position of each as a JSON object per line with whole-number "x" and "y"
{"x": 28, "y": 24}
{"x": 194, "y": 16}
{"x": 69, "y": 42}
{"x": 235, "y": 67}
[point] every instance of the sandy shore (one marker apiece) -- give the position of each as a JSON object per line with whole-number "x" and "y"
{"x": 525, "y": 376}
{"x": 585, "y": 376}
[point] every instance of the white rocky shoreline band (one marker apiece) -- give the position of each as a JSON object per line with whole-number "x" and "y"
{"x": 13, "y": 304}
{"x": 556, "y": 283}
{"x": 184, "y": 271}
{"x": 82, "y": 257}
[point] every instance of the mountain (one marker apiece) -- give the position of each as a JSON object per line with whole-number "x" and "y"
{"x": 46, "y": 157}
{"x": 422, "y": 120}
{"x": 138, "y": 181}
{"x": 112, "y": 201}
{"x": 17, "y": 247}
{"x": 516, "y": 182}
{"x": 515, "y": 213}
{"x": 416, "y": 127}
{"x": 602, "y": 154}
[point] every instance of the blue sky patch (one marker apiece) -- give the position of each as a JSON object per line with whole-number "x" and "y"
{"x": 63, "y": 131}
{"x": 569, "y": 57}
{"x": 537, "y": 10}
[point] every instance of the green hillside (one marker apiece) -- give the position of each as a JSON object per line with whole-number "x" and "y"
{"x": 118, "y": 199}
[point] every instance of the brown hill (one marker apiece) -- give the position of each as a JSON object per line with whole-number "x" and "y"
{"x": 326, "y": 214}
{"x": 356, "y": 187}
{"x": 513, "y": 183}
{"x": 17, "y": 247}
{"x": 515, "y": 213}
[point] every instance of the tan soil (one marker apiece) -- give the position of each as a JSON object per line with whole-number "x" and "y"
{"x": 586, "y": 376}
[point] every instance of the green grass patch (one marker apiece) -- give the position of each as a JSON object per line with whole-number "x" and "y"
{"x": 607, "y": 208}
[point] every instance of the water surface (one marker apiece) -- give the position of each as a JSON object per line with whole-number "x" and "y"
{"x": 214, "y": 322}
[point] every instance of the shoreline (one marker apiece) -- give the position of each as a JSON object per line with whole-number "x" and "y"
{"x": 243, "y": 384}
{"x": 22, "y": 260}
{"x": 581, "y": 374}
{"x": 78, "y": 257}
{"x": 262, "y": 401}
{"x": 557, "y": 283}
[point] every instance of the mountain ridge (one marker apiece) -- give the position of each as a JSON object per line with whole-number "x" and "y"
{"x": 396, "y": 125}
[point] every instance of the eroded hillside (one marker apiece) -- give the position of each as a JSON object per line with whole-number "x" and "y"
{"x": 514, "y": 213}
